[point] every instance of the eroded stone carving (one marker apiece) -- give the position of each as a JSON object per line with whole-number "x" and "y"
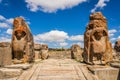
{"x": 22, "y": 41}
{"x": 117, "y": 50}
{"x": 44, "y": 51}
{"x": 96, "y": 42}
{"x": 76, "y": 52}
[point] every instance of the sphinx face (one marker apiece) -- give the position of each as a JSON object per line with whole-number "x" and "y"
{"x": 98, "y": 35}
{"x": 19, "y": 34}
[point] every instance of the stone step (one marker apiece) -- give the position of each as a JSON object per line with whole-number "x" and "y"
{"x": 9, "y": 73}
{"x": 105, "y": 72}
{"x": 19, "y": 66}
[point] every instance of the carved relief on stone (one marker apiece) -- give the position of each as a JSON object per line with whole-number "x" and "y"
{"x": 96, "y": 42}
{"x": 22, "y": 41}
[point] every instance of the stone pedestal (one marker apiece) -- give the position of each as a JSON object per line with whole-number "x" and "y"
{"x": 37, "y": 48}
{"x": 5, "y": 54}
{"x": 105, "y": 73}
{"x": 9, "y": 73}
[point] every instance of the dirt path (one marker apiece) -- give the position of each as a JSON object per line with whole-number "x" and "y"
{"x": 57, "y": 69}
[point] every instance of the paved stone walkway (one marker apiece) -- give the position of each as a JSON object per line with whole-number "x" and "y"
{"x": 57, "y": 69}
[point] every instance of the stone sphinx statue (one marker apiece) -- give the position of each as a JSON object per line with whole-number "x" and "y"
{"x": 22, "y": 41}
{"x": 96, "y": 41}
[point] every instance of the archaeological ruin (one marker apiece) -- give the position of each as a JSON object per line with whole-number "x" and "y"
{"x": 76, "y": 52}
{"x": 96, "y": 41}
{"x": 22, "y": 41}
{"x": 117, "y": 50}
{"x": 23, "y": 59}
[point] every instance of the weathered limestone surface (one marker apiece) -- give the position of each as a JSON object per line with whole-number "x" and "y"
{"x": 41, "y": 51}
{"x": 37, "y": 48}
{"x": 44, "y": 51}
{"x": 117, "y": 50}
{"x": 58, "y": 69}
{"x": 69, "y": 69}
{"x": 76, "y": 52}
{"x": 105, "y": 73}
{"x": 117, "y": 46}
{"x": 96, "y": 41}
{"x": 9, "y": 73}
{"x": 19, "y": 66}
{"x": 22, "y": 41}
{"x": 5, "y": 54}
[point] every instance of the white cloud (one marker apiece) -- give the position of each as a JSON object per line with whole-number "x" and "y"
{"x": 113, "y": 39}
{"x": 52, "y": 36}
{"x": 62, "y": 44}
{"x": 77, "y": 38}
{"x": 4, "y": 25}
{"x": 51, "y": 6}
{"x": 100, "y": 4}
{"x": 118, "y": 38}
{"x": 56, "y": 38}
{"x": 10, "y": 21}
{"x": 112, "y": 32}
{"x": 2, "y": 17}
{"x": 5, "y": 39}
{"x": 9, "y": 31}
{"x": 4, "y": 22}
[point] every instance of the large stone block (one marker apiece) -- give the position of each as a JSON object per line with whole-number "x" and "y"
{"x": 44, "y": 51}
{"x": 37, "y": 46}
{"x": 37, "y": 55}
{"x": 22, "y": 41}
{"x": 9, "y": 73}
{"x": 76, "y": 52}
{"x": 5, "y": 54}
{"x": 96, "y": 41}
{"x": 117, "y": 50}
{"x": 105, "y": 73}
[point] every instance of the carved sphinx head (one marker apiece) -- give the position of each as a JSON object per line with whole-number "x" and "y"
{"x": 19, "y": 34}
{"x": 19, "y": 28}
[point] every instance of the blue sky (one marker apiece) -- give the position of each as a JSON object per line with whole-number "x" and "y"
{"x": 58, "y": 23}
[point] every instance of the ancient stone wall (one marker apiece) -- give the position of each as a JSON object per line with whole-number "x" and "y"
{"x": 5, "y": 54}
{"x": 22, "y": 41}
{"x": 96, "y": 41}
